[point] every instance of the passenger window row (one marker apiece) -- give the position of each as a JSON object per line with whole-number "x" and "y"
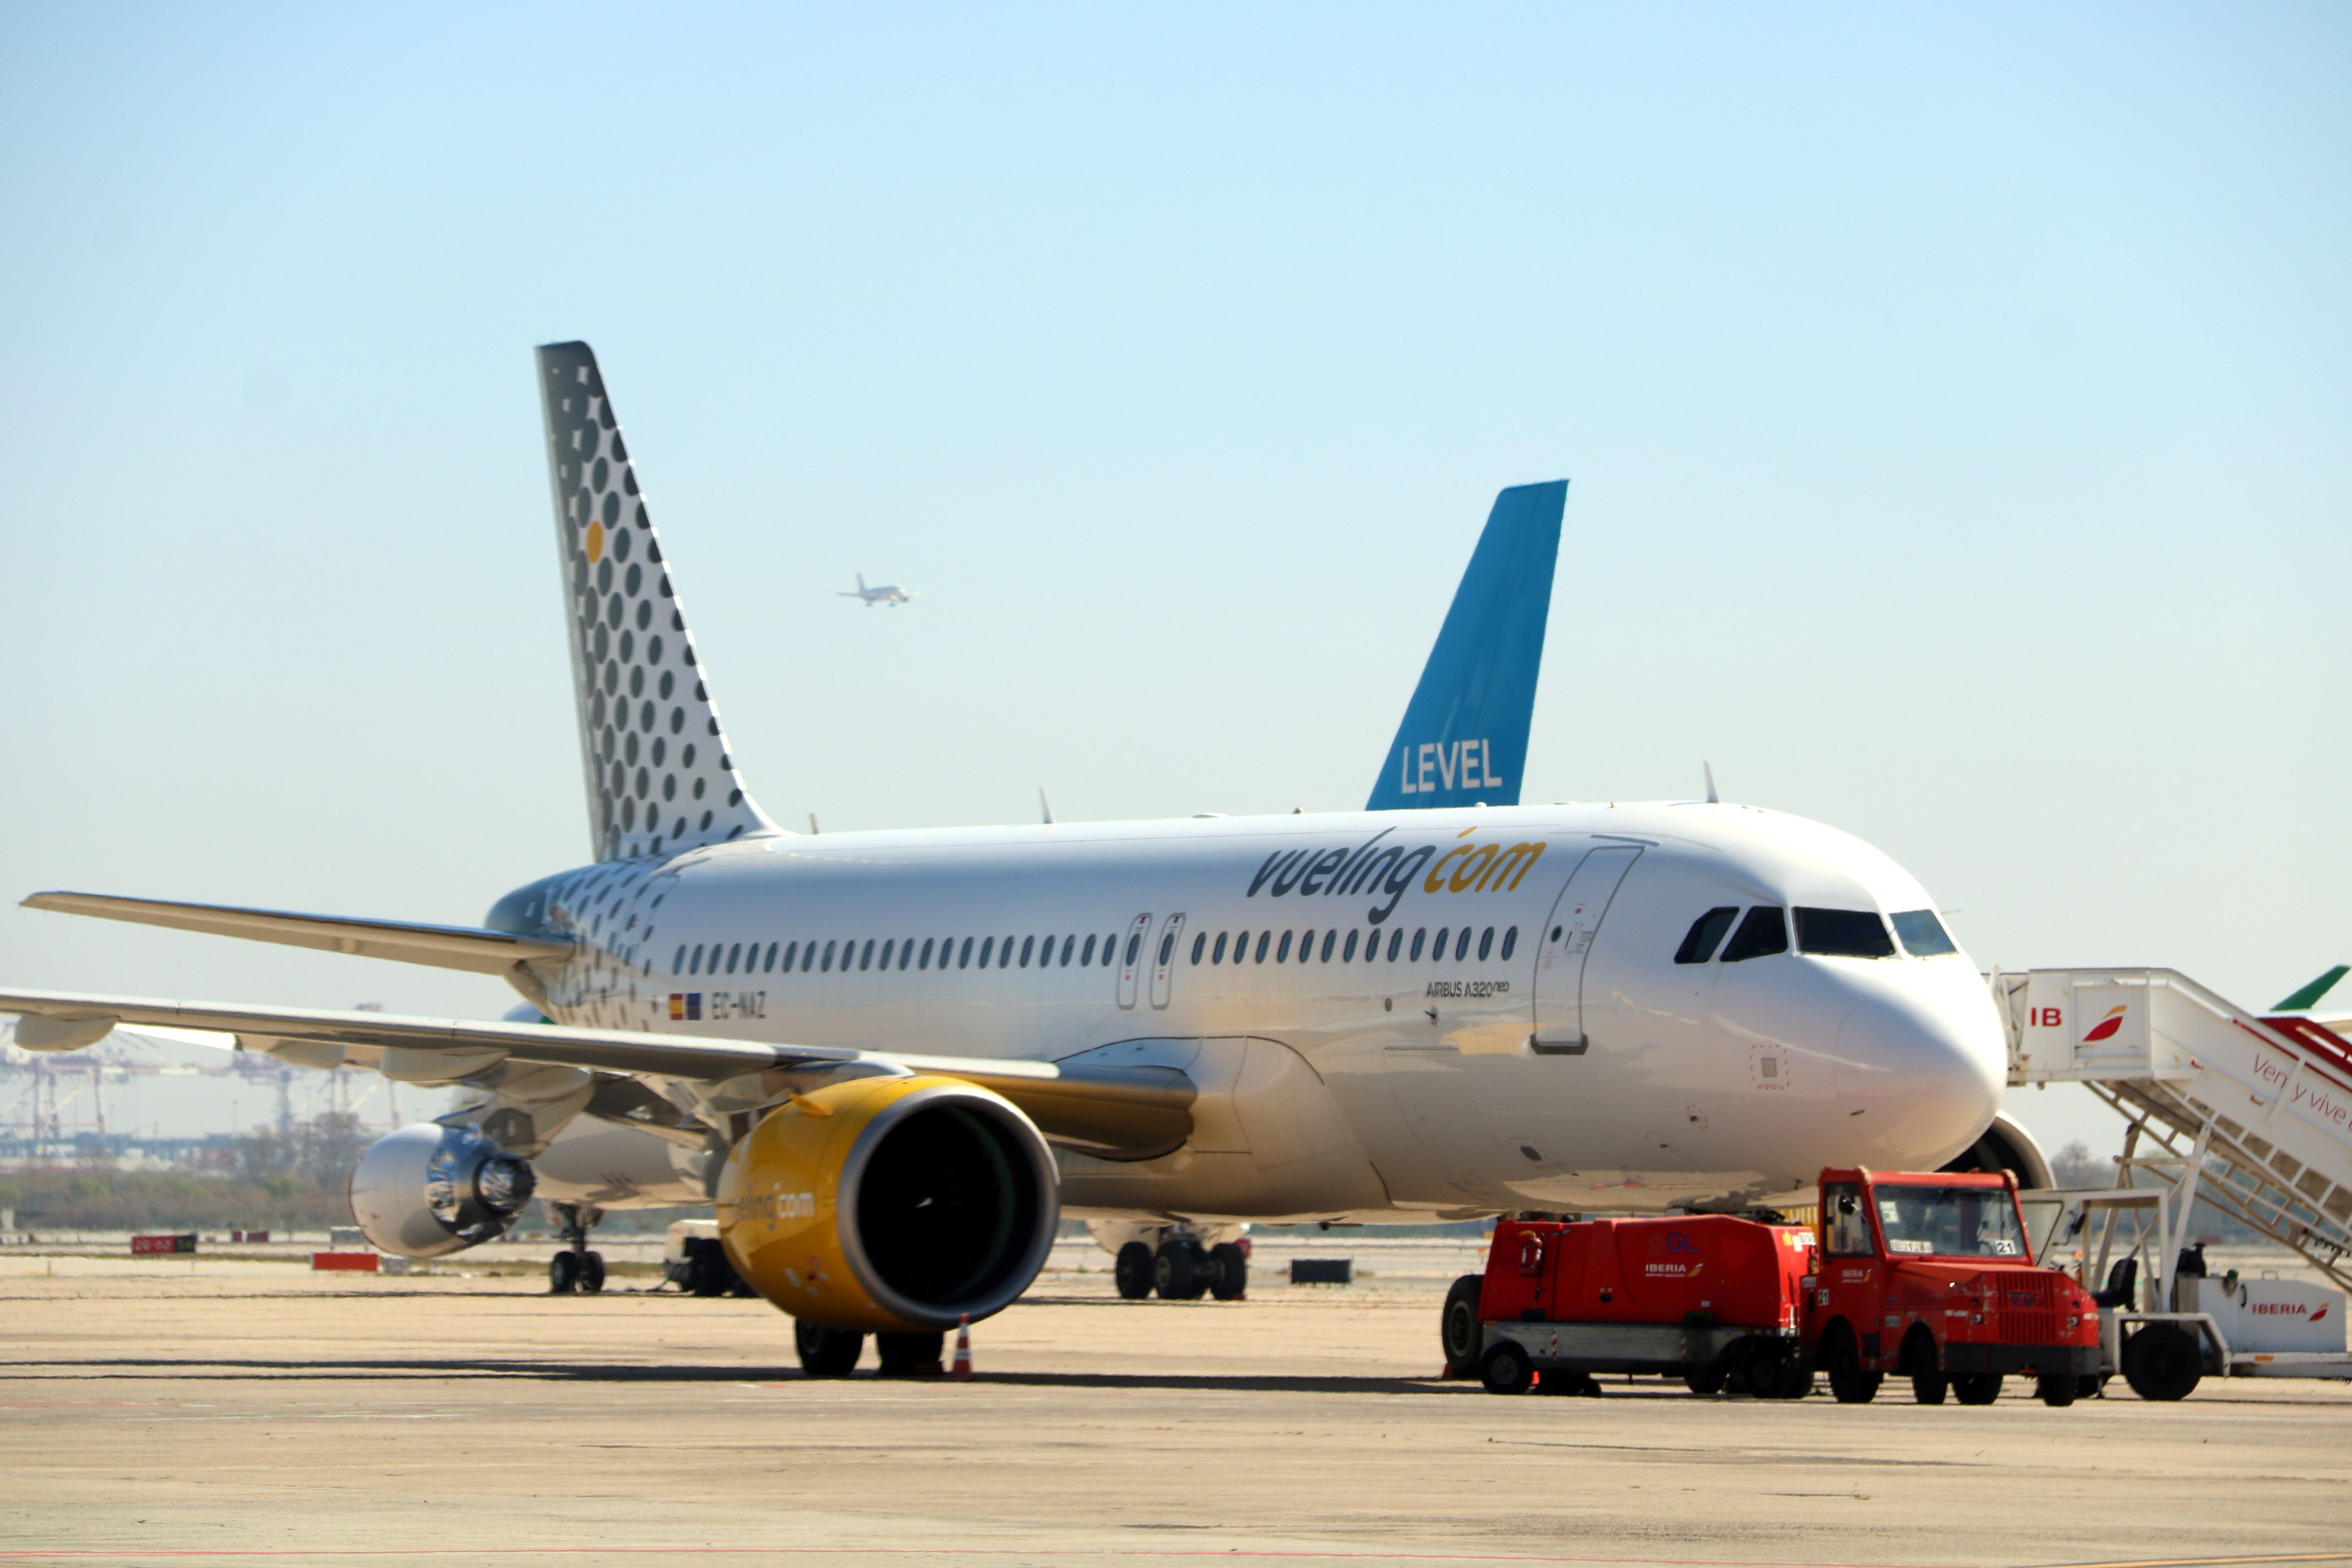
{"x": 1830, "y": 933}
{"x": 840, "y": 956}
{"x": 1286, "y": 947}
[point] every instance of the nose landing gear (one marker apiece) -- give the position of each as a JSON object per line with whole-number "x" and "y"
{"x": 575, "y": 1268}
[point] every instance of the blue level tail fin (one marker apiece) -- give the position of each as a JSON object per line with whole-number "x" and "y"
{"x": 1464, "y": 741}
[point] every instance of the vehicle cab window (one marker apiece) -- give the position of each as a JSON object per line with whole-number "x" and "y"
{"x": 1845, "y": 1223}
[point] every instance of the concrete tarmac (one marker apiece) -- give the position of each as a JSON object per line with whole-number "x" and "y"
{"x": 268, "y": 1414}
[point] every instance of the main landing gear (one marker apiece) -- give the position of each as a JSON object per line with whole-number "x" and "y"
{"x": 575, "y": 1268}
{"x": 1182, "y": 1263}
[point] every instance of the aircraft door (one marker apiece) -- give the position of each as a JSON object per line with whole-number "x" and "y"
{"x": 1567, "y": 940}
{"x": 1164, "y": 961}
{"x": 1131, "y": 957}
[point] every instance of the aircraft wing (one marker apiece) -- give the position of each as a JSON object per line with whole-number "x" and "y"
{"x": 443, "y": 947}
{"x": 1131, "y": 1113}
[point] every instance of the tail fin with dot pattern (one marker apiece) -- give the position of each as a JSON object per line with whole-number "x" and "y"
{"x": 660, "y": 777}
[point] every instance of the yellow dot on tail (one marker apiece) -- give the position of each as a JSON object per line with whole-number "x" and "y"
{"x": 595, "y": 542}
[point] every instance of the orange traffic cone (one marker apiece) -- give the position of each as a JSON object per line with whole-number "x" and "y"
{"x": 962, "y": 1367}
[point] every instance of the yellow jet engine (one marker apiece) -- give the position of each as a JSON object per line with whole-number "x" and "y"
{"x": 895, "y": 1204}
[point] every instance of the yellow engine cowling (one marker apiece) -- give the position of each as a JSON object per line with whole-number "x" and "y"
{"x": 890, "y": 1204}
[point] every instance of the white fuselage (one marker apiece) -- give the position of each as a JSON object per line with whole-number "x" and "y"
{"x": 1310, "y": 974}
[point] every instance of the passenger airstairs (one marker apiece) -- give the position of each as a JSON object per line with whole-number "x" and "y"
{"x": 2253, "y": 1114}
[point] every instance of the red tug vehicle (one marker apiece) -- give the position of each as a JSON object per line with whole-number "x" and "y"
{"x": 1925, "y": 1274}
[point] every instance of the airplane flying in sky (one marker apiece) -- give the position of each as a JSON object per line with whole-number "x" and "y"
{"x": 895, "y": 1058}
{"x": 880, "y": 594}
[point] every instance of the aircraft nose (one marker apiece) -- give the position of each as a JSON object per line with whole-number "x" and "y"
{"x": 1922, "y": 1066}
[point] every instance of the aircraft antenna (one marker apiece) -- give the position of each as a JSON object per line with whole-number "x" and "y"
{"x": 1044, "y": 809}
{"x": 812, "y": 825}
{"x": 1712, "y": 798}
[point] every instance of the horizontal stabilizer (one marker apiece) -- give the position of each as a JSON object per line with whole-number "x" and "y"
{"x": 443, "y": 947}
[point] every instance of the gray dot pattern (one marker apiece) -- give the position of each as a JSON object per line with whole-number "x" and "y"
{"x": 640, "y": 687}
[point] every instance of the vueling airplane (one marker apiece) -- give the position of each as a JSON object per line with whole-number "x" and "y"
{"x": 896, "y": 1059}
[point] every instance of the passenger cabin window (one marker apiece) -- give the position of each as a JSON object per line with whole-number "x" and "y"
{"x": 1705, "y": 935}
{"x": 677, "y": 964}
{"x": 1219, "y": 955}
{"x": 1028, "y": 950}
{"x": 1347, "y": 953}
{"x": 1510, "y": 941}
{"x": 1281, "y": 951}
{"x": 1109, "y": 948}
{"x": 1843, "y": 934}
{"x": 924, "y": 961}
{"x": 1762, "y": 934}
{"x": 963, "y": 956}
{"x": 1086, "y": 955}
{"x": 1923, "y": 934}
{"x": 1200, "y": 945}
{"x": 1844, "y": 1219}
{"x": 1418, "y": 937}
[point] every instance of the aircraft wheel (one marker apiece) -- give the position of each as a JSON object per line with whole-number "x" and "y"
{"x": 827, "y": 1353}
{"x": 592, "y": 1272}
{"x": 1180, "y": 1270}
{"x": 1505, "y": 1369}
{"x": 1977, "y": 1387}
{"x": 2163, "y": 1362}
{"x": 563, "y": 1274}
{"x": 2056, "y": 1389}
{"x": 910, "y": 1355}
{"x": 1228, "y": 1272}
{"x": 1459, "y": 1328}
{"x": 1848, "y": 1381}
{"x": 1132, "y": 1272}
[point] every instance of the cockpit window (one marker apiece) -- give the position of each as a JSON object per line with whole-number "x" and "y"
{"x": 1843, "y": 934}
{"x": 1705, "y": 935}
{"x": 1763, "y": 932}
{"x": 1923, "y": 934}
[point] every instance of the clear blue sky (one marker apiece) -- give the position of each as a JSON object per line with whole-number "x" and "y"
{"x": 1956, "y": 400}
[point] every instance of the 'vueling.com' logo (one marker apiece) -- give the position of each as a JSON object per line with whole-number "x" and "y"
{"x": 1375, "y": 869}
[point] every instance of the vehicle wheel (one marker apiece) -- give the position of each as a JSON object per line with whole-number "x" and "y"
{"x": 1573, "y": 1384}
{"x": 741, "y": 1287}
{"x": 1179, "y": 1272}
{"x": 1929, "y": 1384}
{"x": 1505, "y": 1369}
{"x": 2163, "y": 1362}
{"x": 827, "y": 1353}
{"x": 1704, "y": 1379}
{"x": 1977, "y": 1387}
{"x": 1800, "y": 1380}
{"x": 1132, "y": 1272}
{"x": 562, "y": 1273}
{"x": 1768, "y": 1371}
{"x": 1848, "y": 1381}
{"x": 1228, "y": 1272}
{"x": 2091, "y": 1385}
{"x": 1460, "y": 1332}
{"x": 910, "y": 1355}
{"x": 705, "y": 1275}
{"x": 592, "y": 1272}
{"x": 2056, "y": 1389}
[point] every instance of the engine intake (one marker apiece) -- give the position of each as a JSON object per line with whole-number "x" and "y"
{"x": 890, "y": 1204}
{"x": 426, "y": 1190}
